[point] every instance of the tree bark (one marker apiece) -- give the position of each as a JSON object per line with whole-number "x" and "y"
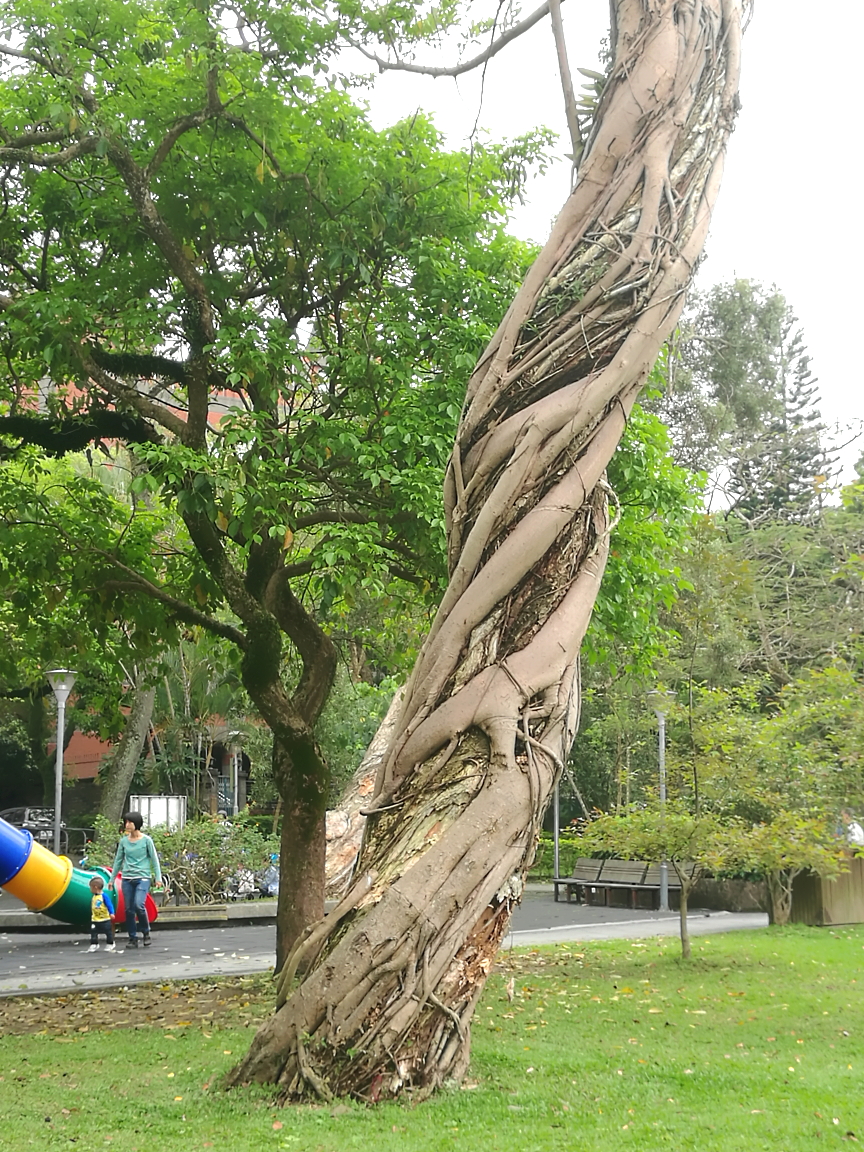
{"x": 394, "y": 972}
{"x": 127, "y": 754}
{"x": 779, "y": 884}
{"x": 302, "y": 845}
{"x": 683, "y": 908}
{"x": 345, "y": 824}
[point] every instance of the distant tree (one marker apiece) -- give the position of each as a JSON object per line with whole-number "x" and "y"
{"x": 740, "y": 399}
{"x": 118, "y": 771}
{"x": 63, "y": 528}
{"x": 722, "y": 376}
{"x": 19, "y": 778}
{"x": 687, "y": 841}
{"x": 780, "y": 851}
{"x": 784, "y": 472}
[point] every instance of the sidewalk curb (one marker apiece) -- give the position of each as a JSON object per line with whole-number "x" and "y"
{"x": 170, "y": 916}
{"x": 100, "y": 979}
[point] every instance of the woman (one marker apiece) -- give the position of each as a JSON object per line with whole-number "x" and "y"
{"x": 137, "y": 862}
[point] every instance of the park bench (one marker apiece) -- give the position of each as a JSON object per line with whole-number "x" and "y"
{"x": 585, "y": 872}
{"x": 591, "y": 877}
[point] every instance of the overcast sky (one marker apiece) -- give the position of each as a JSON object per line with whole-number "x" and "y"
{"x": 789, "y": 211}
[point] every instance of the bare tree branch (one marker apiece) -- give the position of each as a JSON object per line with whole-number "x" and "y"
{"x": 467, "y": 65}
{"x": 576, "y": 141}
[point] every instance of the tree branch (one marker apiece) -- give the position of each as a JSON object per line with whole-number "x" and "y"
{"x": 467, "y": 65}
{"x": 140, "y": 364}
{"x": 12, "y": 155}
{"x": 59, "y": 436}
{"x": 131, "y": 396}
{"x": 181, "y": 127}
{"x": 259, "y": 142}
{"x": 135, "y": 179}
{"x": 34, "y": 139}
{"x": 330, "y": 516}
{"x": 33, "y": 57}
{"x": 317, "y": 651}
{"x": 210, "y": 546}
{"x": 576, "y": 142}
{"x": 180, "y": 608}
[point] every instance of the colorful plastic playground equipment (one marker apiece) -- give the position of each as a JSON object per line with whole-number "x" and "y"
{"x": 51, "y": 884}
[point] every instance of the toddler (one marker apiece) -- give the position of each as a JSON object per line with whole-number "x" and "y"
{"x": 101, "y": 911}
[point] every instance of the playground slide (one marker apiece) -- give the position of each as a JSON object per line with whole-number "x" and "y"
{"x": 50, "y": 884}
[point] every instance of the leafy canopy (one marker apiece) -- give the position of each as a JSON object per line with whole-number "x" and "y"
{"x": 209, "y": 254}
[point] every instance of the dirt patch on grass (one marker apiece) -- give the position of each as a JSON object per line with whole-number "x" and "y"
{"x": 222, "y": 1003}
{"x": 225, "y": 1002}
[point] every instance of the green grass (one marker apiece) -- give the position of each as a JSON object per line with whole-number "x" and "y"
{"x": 756, "y": 1044}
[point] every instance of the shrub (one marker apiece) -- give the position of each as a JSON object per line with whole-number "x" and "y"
{"x": 200, "y": 858}
{"x": 569, "y": 851}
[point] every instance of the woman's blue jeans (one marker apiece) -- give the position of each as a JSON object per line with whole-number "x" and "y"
{"x": 134, "y": 894}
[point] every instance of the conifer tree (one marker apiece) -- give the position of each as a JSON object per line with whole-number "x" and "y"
{"x": 741, "y": 402}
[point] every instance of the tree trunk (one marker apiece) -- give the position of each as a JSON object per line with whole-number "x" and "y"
{"x": 302, "y": 848}
{"x": 299, "y": 770}
{"x": 779, "y": 886}
{"x": 682, "y": 914}
{"x": 127, "y": 754}
{"x": 394, "y": 972}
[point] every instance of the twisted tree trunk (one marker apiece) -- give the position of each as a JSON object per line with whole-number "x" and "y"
{"x": 394, "y": 973}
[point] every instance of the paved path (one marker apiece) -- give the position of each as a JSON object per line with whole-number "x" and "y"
{"x": 57, "y": 960}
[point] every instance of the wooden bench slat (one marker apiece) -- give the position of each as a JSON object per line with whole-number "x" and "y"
{"x": 587, "y": 869}
{"x": 623, "y": 871}
{"x": 652, "y": 876}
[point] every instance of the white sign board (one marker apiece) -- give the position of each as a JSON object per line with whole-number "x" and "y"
{"x": 160, "y": 811}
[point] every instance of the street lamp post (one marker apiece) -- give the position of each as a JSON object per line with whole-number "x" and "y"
{"x": 661, "y": 702}
{"x": 556, "y": 839}
{"x": 61, "y": 681}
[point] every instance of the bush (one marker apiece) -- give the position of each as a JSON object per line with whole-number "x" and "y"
{"x": 569, "y": 851}
{"x": 263, "y": 822}
{"x": 200, "y": 858}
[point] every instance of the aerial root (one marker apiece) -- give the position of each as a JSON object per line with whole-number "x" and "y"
{"x": 319, "y": 934}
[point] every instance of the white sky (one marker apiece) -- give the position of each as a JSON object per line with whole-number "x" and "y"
{"x": 788, "y": 212}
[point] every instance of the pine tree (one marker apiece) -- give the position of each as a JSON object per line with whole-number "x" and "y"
{"x": 741, "y": 402}
{"x": 782, "y": 473}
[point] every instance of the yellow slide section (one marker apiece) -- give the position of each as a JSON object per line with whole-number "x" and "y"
{"x": 43, "y": 881}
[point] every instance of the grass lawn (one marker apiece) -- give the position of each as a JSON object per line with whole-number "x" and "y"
{"x": 756, "y": 1044}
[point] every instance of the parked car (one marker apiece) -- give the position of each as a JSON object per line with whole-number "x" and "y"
{"x": 38, "y": 821}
